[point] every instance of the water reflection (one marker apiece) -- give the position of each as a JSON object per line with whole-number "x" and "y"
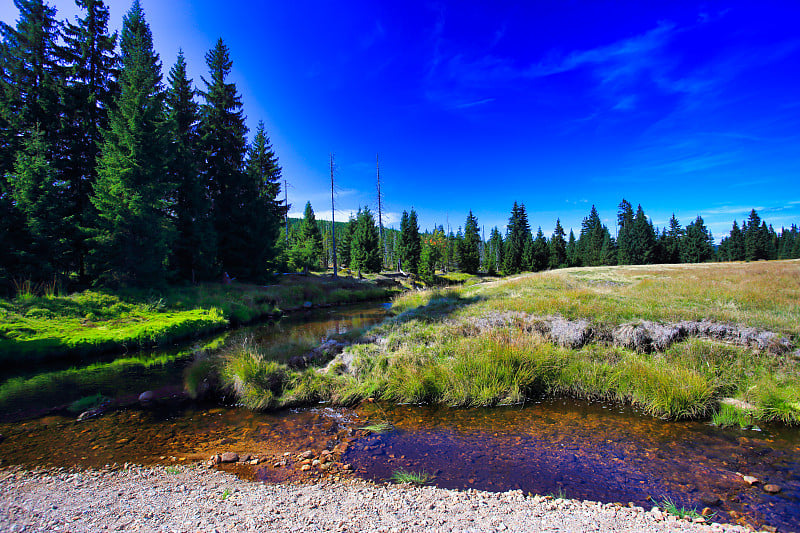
{"x": 590, "y": 451}
{"x": 124, "y": 376}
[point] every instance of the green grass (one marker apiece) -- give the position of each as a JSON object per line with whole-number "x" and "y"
{"x": 378, "y": 427}
{"x": 670, "y": 507}
{"x": 412, "y": 478}
{"x": 439, "y": 348}
{"x": 41, "y": 324}
{"x": 172, "y": 470}
{"x": 86, "y": 403}
{"x": 730, "y": 416}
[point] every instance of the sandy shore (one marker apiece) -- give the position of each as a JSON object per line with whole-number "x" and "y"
{"x": 196, "y": 498}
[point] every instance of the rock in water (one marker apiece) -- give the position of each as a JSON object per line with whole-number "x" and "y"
{"x": 147, "y": 396}
{"x": 230, "y": 457}
{"x": 772, "y": 489}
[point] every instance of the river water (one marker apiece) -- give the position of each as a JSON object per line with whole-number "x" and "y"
{"x": 578, "y": 449}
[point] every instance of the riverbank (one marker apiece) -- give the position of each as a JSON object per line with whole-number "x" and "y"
{"x": 39, "y": 327}
{"x": 677, "y": 341}
{"x": 194, "y": 498}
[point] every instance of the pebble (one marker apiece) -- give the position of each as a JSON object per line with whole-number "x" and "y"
{"x": 772, "y": 489}
{"x": 149, "y": 499}
{"x": 229, "y": 457}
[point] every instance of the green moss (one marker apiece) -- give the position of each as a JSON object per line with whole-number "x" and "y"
{"x": 44, "y": 327}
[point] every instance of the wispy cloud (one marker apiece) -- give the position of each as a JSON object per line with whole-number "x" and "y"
{"x": 617, "y": 60}
{"x": 473, "y": 104}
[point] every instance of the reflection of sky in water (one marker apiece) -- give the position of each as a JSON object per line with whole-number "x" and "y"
{"x": 590, "y": 451}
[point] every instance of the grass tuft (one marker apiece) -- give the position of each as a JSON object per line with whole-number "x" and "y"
{"x": 670, "y": 507}
{"x": 412, "y": 478}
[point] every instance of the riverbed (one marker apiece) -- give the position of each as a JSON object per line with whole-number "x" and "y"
{"x": 574, "y": 449}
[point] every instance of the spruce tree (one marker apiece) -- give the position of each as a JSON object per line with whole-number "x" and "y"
{"x": 558, "y": 247}
{"x": 698, "y": 243}
{"x": 672, "y": 241}
{"x": 31, "y": 81}
{"x": 737, "y": 244}
{"x": 306, "y": 252}
{"x": 267, "y": 209}
{"x": 193, "y": 254}
{"x": 133, "y": 234}
{"x": 470, "y": 246}
{"x": 409, "y": 245}
{"x": 365, "y": 253}
{"x": 343, "y": 238}
{"x": 541, "y": 252}
{"x": 573, "y": 259}
{"x": 495, "y": 254}
{"x": 608, "y": 251}
{"x": 625, "y": 233}
{"x": 223, "y": 143}
{"x": 590, "y": 242}
{"x": 643, "y": 239}
{"x": 518, "y": 240}
{"x": 38, "y": 195}
{"x": 431, "y": 256}
{"x": 755, "y": 241}
{"x": 92, "y": 70}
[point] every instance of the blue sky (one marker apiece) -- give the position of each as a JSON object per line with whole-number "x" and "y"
{"x": 684, "y": 107}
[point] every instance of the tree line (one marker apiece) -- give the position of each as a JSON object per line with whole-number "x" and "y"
{"x": 110, "y": 175}
{"x": 637, "y": 242}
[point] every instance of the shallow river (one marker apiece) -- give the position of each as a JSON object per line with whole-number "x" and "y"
{"x": 578, "y": 449}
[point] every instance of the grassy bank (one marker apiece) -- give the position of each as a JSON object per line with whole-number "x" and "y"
{"x": 36, "y": 327}
{"x": 440, "y": 349}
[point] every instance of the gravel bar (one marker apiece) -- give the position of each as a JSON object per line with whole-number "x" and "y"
{"x": 196, "y": 498}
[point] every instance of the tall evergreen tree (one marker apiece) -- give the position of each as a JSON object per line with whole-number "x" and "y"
{"x": 558, "y": 247}
{"x": 432, "y": 253}
{"x": 31, "y": 82}
{"x": 672, "y": 241}
{"x": 470, "y": 246}
{"x": 541, "y": 252}
{"x": 306, "y": 252}
{"x": 193, "y": 254}
{"x": 732, "y": 247}
{"x": 755, "y": 238}
{"x": 134, "y": 234}
{"x": 495, "y": 254}
{"x": 409, "y": 246}
{"x": 590, "y": 242}
{"x": 608, "y": 251}
{"x": 223, "y": 144}
{"x": 267, "y": 209}
{"x": 365, "y": 252}
{"x": 698, "y": 243}
{"x": 573, "y": 259}
{"x": 343, "y": 237}
{"x": 644, "y": 239}
{"x": 38, "y": 194}
{"x": 625, "y": 233}
{"x": 90, "y": 55}
{"x": 518, "y": 239}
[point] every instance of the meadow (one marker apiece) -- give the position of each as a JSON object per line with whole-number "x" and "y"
{"x": 40, "y": 323}
{"x": 481, "y": 345}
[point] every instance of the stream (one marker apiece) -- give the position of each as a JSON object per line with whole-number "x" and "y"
{"x": 577, "y": 449}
